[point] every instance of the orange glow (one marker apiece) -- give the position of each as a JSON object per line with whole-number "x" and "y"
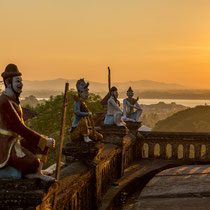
{"x": 158, "y": 40}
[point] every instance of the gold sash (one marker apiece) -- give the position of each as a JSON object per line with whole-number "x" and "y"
{"x": 15, "y": 143}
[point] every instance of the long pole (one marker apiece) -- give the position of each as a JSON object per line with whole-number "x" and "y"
{"x": 63, "y": 120}
{"x": 109, "y": 78}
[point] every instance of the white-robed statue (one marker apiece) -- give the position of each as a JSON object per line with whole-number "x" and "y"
{"x": 129, "y": 105}
{"x": 114, "y": 113}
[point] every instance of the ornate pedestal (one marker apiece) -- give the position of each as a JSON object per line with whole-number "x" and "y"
{"x": 113, "y": 134}
{"x": 86, "y": 152}
{"x": 133, "y": 126}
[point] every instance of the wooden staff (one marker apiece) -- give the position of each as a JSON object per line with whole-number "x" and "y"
{"x": 109, "y": 79}
{"x": 92, "y": 124}
{"x": 63, "y": 120}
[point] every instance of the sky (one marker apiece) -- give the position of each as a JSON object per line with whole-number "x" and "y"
{"x": 160, "y": 40}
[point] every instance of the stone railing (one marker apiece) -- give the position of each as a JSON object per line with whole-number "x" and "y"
{"x": 174, "y": 145}
{"x": 83, "y": 187}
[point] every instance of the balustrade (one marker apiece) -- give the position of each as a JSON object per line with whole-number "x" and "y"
{"x": 182, "y": 146}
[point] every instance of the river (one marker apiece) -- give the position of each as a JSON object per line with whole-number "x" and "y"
{"x": 184, "y": 102}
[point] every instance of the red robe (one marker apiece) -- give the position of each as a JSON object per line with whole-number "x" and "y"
{"x": 11, "y": 120}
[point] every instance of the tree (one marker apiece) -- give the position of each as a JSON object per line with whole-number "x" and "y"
{"x": 48, "y": 121}
{"x": 29, "y": 101}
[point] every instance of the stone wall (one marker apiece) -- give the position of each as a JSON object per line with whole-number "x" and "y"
{"x": 82, "y": 186}
{"x": 26, "y": 194}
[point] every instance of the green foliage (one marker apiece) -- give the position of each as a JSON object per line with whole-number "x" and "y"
{"x": 48, "y": 121}
{"x": 30, "y": 100}
{"x": 27, "y": 106}
{"x": 190, "y": 120}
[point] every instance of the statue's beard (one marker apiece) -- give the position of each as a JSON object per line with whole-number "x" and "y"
{"x": 115, "y": 98}
{"x": 17, "y": 95}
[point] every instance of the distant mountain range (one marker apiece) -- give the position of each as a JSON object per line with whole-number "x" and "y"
{"x": 140, "y": 85}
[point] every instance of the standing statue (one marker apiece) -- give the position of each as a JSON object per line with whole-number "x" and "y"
{"x": 129, "y": 104}
{"x": 83, "y": 117}
{"x": 114, "y": 113}
{"x": 21, "y": 148}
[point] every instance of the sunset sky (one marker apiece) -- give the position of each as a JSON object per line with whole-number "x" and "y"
{"x": 160, "y": 40}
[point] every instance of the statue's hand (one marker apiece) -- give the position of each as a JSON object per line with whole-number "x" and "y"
{"x": 89, "y": 113}
{"x": 130, "y": 105}
{"x": 50, "y": 143}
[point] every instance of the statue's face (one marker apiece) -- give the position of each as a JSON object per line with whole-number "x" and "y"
{"x": 17, "y": 84}
{"x": 115, "y": 94}
{"x": 130, "y": 94}
{"x": 84, "y": 94}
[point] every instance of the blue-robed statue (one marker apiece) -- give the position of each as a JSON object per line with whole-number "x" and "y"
{"x": 83, "y": 125}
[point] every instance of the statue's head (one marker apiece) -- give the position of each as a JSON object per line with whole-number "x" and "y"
{"x": 82, "y": 88}
{"x": 130, "y": 92}
{"x": 12, "y": 79}
{"x": 114, "y": 92}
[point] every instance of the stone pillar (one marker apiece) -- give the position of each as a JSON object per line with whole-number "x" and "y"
{"x": 115, "y": 135}
{"x": 88, "y": 153}
{"x": 133, "y": 127}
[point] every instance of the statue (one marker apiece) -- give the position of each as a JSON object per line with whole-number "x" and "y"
{"x": 129, "y": 104}
{"x": 83, "y": 117}
{"x": 21, "y": 149}
{"x": 114, "y": 113}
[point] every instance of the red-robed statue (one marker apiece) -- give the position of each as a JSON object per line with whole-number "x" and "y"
{"x": 20, "y": 147}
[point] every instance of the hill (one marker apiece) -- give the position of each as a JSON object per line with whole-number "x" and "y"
{"x": 156, "y": 112}
{"x": 142, "y": 88}
{"x": 46, "y": 88}
{"x": 189, "y": 120}
{"x": 58, "y": 85}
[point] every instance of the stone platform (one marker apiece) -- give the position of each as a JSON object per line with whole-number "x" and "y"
{"x": 26, "y": 193}
{"x": 184, "y": 188}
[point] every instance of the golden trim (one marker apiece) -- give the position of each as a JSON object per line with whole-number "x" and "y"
{"x": 18, "y": 149}
{"x": 21, "y": 114}
{"x": 8, "y": 133}
{"x": 43, "y": 158}
{"x": 42, "y": 142}
{"x": 8, "y": 156}
{"x": 15, "y": 143}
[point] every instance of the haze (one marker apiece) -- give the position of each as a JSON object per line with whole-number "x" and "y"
{"x": 159, "y": 40}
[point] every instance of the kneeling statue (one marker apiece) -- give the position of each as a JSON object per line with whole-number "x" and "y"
{"x": 114, "y": 113}
{"x": 21, "y": 148}
{"x": 83, "y": 117}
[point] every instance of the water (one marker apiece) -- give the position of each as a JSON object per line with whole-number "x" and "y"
{"x": 39, "y": 99}
{"x": 184, "y": 102}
